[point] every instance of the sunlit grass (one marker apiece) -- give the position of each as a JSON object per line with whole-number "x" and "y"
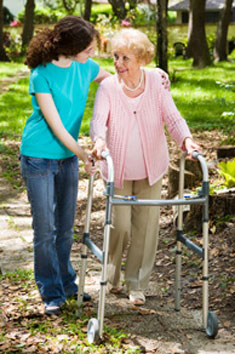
{"x": 200, "y": 95}
{"x": 10, "y": 69}
{"x": 15, "y": 108}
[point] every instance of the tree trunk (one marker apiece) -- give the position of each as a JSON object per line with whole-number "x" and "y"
{"x": 197, "y": 45}
{"x": 3, "y": 56}
{"x": 87, "y": 13}
{"x": 118, "y": 7}
{"x": 28, "y": 23}
{"x": 161, "y": 26}
{"x": 220, "y": 49}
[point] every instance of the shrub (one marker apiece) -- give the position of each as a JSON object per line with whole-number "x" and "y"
{"x": 43, "y": 15}
{"x": 227, "y": 170}
{"x": 12, "y": 45}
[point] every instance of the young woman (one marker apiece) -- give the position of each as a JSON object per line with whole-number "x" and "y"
{"x": 131, "y": 110}
{"x": 59, "y": 83}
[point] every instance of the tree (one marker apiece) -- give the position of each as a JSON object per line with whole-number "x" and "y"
{"x": 28, "y": 22}
{"x": 87, "y": 12}
{"x": 118, "y": 7}
{"x": 3, "y": 56}
{"x": 220, "y": 48}
{"x": 162, "y": 42}
{"x": 197, "y": 45}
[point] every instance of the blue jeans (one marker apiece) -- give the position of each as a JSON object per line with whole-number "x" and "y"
{"x": 52, "y": 187}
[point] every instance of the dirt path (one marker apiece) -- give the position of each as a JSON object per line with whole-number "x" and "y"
{"x": 155, "y": 326}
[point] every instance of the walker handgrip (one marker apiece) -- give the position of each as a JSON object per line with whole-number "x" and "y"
{"x": 195, "y": 155}
{"x": 105, "y": 154}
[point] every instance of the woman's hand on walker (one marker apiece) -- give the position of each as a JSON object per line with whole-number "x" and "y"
{"x": 190, "y": 146}
{"x": 100, "y": 146}
{"x": 89, "y": 164}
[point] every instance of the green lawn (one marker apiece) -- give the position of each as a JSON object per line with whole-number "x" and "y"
{"x": 200, "y": 95}
{"x": 10, "y": 69}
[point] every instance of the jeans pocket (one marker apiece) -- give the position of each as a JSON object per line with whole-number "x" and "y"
{"x": 34, "y": 167}
{"x": 74, "y": 163}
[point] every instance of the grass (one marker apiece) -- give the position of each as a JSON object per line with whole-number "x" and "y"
{"x": 200, "y": 95}
{"x": 10, "y": 69}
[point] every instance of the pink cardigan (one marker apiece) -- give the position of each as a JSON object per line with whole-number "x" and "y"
{"x": 112, "y": 121}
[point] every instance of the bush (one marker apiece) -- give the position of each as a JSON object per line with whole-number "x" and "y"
{"x": 43, "y": 15}
{"x": 12, "y": 42}
{"x": 101, "y": 9}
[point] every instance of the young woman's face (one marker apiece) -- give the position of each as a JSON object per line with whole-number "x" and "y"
{"x": 126, "y": 63}
{"x": 83, "y": 56}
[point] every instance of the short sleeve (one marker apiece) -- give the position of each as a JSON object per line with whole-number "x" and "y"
{"x": 94, "y": 69}
{"x": 38, "y": 83}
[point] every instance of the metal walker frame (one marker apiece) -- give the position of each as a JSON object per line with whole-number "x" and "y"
{"x": 95, "y": 326}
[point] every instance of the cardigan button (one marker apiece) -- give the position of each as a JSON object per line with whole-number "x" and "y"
{"x": 134, "y": 112}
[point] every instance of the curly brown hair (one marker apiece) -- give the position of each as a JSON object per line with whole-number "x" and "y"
{"x": 70, "y": 36}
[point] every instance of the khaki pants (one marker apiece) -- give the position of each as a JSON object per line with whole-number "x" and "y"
{"x": 137, "y": 226}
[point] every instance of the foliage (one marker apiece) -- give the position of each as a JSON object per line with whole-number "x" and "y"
{"x": 100, "y": 9}
{"x": 227, "y": 170}
{"x": 43, "y": 15}
{"x": 12, "y": 45}
{"x": 144, "y": 13}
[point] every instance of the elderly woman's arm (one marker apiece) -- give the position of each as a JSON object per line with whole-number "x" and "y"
{"x": 99, "y": 121}
{"x": 176, "y": 125}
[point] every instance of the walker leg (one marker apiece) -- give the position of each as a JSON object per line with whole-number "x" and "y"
{"x": 82, "y": 275}
{"x": 103, "y": 282}
{"x": 82, "y": 272}
{"x": 178, "y": 245}
{"x": 205, "y": 275}
{"x": 210, "y": 322}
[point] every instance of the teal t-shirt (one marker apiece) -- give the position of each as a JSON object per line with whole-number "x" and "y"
{"x": 69, "y": 89}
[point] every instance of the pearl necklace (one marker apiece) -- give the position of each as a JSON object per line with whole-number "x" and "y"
{"x": 138, "y": 86}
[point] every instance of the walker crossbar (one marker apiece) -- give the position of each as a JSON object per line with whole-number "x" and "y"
{"x": 95, "y": 326}
{"x": 150, "y": 202}
{"x": 189, "y": 244}
{"x": 92, "y": 247}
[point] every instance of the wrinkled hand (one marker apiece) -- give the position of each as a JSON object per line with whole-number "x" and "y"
{"x": 100, "y": 146}
{"x": 190, "y": 146}
{"x": 90, "y": 166}
{"x": 165, "y": 79}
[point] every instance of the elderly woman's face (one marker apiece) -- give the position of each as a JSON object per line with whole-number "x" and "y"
{"x": 126, "y": 63}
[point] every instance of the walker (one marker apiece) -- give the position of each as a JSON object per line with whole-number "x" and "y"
{"x": 95, "y": 326}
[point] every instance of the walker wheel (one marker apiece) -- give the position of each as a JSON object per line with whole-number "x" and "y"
{"x": 92, "y": 330}
{"x": 212, "y": 325}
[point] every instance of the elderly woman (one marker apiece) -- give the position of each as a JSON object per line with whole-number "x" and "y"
{"x": 131, "y": 109}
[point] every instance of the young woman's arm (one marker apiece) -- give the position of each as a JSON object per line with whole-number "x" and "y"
{"x": 101, "y": 75}
{"x": 52, "y": 117}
